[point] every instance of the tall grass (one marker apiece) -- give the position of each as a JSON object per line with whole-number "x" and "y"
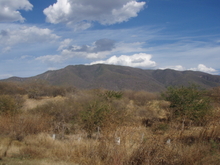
{"x": 118, "y": 135}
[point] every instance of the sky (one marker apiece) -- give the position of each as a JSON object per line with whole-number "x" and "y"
{"x": 41, "y": 35}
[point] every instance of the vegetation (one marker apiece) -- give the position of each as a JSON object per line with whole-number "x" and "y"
{"x": 10, "y": 105}
{"x": 108, "y": 127}
{"x": 188, "y": 103}
{"x": 113, "y": 77}
{"x": 94, "y": 116}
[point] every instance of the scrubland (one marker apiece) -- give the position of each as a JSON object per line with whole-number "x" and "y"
{"x": 47, "y": 125}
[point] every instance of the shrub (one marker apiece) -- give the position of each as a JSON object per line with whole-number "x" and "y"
{"x": 140, "y": 98}
{"x": 94, "y": 115}
{"x": 188, "y": 103}
{"x": 107, "y": 95}
{"x": 113, "y": 94}
{"x": 7, "y": 104}
{"x": 63, "y": 112}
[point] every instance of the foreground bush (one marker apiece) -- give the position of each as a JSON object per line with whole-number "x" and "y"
{"x": 188, "y": 103}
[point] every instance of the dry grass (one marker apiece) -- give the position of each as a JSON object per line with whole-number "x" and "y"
{"x": 27, "y": 138}
{"x": 33, "y": 103}
{"x": 21, "y": 125}
{"x": 138, "y": 145}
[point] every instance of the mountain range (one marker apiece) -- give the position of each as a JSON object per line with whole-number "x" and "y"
{"x": 115, "y": 77}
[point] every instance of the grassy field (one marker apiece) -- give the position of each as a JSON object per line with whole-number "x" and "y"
{"x": 102, "y": 127}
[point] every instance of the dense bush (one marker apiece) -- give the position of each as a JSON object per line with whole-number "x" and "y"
{"x": 94, "y": 115}
{"x": 188, "y": 103}
{"x": 7, "y": 104}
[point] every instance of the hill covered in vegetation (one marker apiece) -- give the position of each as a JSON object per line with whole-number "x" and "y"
{"x": 114, "y": 77}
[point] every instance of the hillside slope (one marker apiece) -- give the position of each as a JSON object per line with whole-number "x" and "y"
{"x": 120, "y": 77}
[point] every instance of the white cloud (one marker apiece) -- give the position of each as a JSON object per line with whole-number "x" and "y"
{"x": 97, "y": 50}
{"x": 177, "y": 67}
{"x": 200, "y": 67}
{"x": 203, "y": 68}
{"x": 51, "y": 58}
{"x": 26, "y": 34}
{"x": 64, "y": 44}
{"x": 141, "y": 60}
{"x": 81, "y": 13}
{"x": 128, "y": 10}
{"x": 9, "y": 10}
{"x": 67, "y": 54}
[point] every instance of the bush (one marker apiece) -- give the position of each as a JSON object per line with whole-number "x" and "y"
{"x": 140, "y": 98}
{"x": 113, "y": 94}
{"x": 63, "y": 112}
{"x": 7, "y": 105}
{"x": 188, "y": 103}
{"x": 94, "y": 115}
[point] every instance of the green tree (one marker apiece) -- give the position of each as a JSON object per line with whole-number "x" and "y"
{"x": 188, "y": 103}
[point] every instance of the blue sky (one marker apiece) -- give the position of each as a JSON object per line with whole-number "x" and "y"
{"x": 41, "y": 35}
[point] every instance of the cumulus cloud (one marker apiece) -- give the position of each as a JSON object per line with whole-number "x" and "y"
{"x": 81, "y": 13}
{"x": 203, "y": 68}
{"x": 26, "y": 35}
{"x": 9, "y": 10}
{"x": 141, "y": 60}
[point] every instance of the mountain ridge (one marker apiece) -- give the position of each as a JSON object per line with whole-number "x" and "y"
{"x": 115, "y": 77}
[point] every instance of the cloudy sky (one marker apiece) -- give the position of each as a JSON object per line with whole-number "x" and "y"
{"x": 41, "y": 35}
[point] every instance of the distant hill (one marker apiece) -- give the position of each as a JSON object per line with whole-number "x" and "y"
{"x": 114, "y": 77}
